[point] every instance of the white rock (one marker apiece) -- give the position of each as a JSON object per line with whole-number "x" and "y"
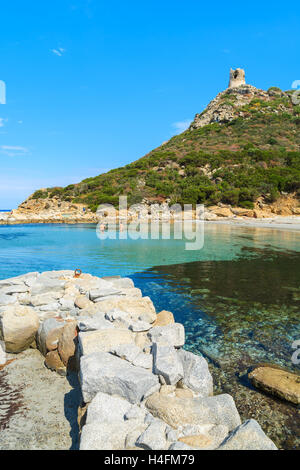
{"x": 103, "y": 340}
{"x": 126, "y": 351}
{"x": 196, "y": 375}
{"x": 53, "y": 307}
{"x": 134, "y": 434}
{"x": 106, "y": 409}
{"x": 67, "y": 303}
{"x": 248, "y": 436}
{"x": 17, "y": 280}
{"x": 143, "y": 360}
{"x": 154, "y": 437}
{"x": 172, "y": 334}
{"x": 111, "y": 375}
{"x": 138, "y": 309}
{"x": 14, "y": 289}
{"x": 140, "y": 326}
{"x": 180, "y": 446}
{"x": 105, "y": 436}
{"x": 122, "y": 283}
{"x": 2, "y": 353}
{"x": 44, "y": 299}
{"x": 167, "y": 363}
{"x": 47, "y": 285}
{"x": 135, "y": 412}
{"x": 96, "y": 295}
{"x": 7, "y": 299}
{"x": 172, "y": 435}
{"x": 96, "y": 322}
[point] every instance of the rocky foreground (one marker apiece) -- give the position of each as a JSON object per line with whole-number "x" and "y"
{"x": 140, "y": 388}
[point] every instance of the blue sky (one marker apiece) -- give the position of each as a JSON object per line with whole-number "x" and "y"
{"x": 93, "y": 85}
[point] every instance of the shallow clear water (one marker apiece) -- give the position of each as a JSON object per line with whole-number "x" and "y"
{"x": 238, "y": 297}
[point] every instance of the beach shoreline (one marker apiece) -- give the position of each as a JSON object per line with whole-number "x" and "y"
{"x": 276, "y": 222}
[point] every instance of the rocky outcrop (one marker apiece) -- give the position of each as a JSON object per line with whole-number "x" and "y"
{"x": 277, "y": 382}
{"x": 141, "y": 389}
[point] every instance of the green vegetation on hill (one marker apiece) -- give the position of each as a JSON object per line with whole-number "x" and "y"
{"x": 233, "y": 162}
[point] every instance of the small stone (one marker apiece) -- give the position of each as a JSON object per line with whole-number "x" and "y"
{"x": 67, "y": 345}
{"x": 154, "y": 437}
{"x": 81, "y": 301}
{"x": 54, "y": 362}
{"x": 167, "y": 363}
{"x": 105, "y": 408}
{"x": 67, "y": 303}
{"x": 135, "y": 412}
{"x": 143, "y": 360}
{"x": 173, "y": 335}
{"x": 164, "y": 318}
{"x": 96, "y": 322}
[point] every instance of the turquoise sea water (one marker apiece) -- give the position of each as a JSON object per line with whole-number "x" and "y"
{"x": 238, "y": 296}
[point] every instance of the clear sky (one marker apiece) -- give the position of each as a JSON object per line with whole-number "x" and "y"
{"x": 93, "y": 84}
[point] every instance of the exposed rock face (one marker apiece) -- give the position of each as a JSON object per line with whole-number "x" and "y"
{"x": 220, "y": 111}
{"x": 18, "y": 326}
{"x": 280, "y": 383}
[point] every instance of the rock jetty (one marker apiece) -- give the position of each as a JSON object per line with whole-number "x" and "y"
{"x": 140, "y": 388}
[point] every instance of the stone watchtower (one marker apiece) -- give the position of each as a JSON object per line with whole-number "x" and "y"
{"x": 236, "y": 78}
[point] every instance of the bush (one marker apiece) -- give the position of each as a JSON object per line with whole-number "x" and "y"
{"x": 40, "y": 194}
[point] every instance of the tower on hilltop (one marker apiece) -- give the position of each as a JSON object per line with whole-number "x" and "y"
{"x": 236, "y": 78}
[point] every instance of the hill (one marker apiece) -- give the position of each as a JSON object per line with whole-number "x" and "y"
{"x": 244, "y": 147}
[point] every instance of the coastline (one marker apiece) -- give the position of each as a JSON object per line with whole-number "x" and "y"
{"x": 276, "y": 222}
